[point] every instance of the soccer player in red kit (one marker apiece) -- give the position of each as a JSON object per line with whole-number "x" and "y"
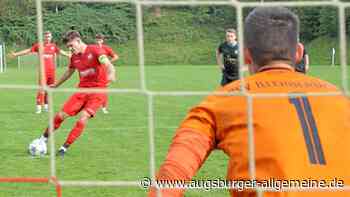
{"x": 113, "y": 57}
{"x": 50, "y": 51}
{"x": 95, "y": 71}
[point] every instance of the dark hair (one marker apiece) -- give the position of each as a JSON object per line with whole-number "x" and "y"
{"x": 230, "y": 30}
{"x": 100, "y": 36}
{"x": 70, "y": 35}
{"x": 271, "y": 33}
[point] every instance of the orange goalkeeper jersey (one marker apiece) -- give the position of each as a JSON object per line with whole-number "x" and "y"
{"x": 295, "y": 138}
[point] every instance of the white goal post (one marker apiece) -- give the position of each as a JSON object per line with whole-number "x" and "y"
{"x": 3, "y": 65}
{"x": 333, "y": 56}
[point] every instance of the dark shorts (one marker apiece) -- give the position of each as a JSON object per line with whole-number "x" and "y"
{"x": 90, "y": 102}
{"x": 300, "y": 68}
{"x": 226, "y": 78}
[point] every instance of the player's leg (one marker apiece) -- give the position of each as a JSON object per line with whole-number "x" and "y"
{"x": 72, "y": 106}
{"x": 40, "y": 97}
{"x": 57, "y": 121}
{"x": 75, "y": 132}
{"x": 50, "y": 79}
{"x": 92, "y": 105}
{"x": 39, "y": 101}
{"x": 104, "y": 106}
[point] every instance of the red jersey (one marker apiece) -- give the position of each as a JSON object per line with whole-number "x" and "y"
{"x": 91, "y": 72}
{"x": 50, "y": 49}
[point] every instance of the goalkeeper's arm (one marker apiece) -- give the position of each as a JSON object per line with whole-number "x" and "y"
{"x": 187, "y": 153}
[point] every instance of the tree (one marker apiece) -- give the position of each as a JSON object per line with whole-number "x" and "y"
{"x": 329, "y": 24}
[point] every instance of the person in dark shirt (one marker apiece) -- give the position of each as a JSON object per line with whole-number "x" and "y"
{"x": 227, "y": 58}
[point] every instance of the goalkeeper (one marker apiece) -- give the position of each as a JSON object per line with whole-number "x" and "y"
{"x": 295, "y": 138}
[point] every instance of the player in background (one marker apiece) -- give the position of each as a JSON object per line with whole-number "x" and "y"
{"x": 113, "y": 57}
{"x": 295, "y": 137}
{"x": 95, "y": 71}
{"x": 227, "y": 58}
{"x": 50, "y": 52}
{"x": 303, "y": 65}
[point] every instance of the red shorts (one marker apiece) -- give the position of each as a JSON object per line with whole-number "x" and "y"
{"x": 90, "y": 102}
{"x": 50, "y": 78}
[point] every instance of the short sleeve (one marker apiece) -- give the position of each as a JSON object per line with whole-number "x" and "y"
{"x": 98, "y": 51}
{"x": 220, "y": 48}
{"x": 35, "y": 48}
{"x": 57, "y": 49}
{"x": 109, "y": 51}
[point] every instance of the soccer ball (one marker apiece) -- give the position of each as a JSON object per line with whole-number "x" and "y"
{"x": 37, "y": 148}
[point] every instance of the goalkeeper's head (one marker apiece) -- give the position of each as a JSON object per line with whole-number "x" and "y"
{"x": 271, "y": 36}
{"x": 73, "y": 41}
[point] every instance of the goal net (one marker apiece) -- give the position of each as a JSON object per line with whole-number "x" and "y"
{"x": 150, "y": 100}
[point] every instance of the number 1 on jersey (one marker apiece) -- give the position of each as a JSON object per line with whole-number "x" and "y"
{"x": 310, "y": 131}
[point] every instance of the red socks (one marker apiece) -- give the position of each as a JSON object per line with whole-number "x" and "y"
{"x": 40, "y": 98}
{"x": 57, "y": 121}
{"x": 76, "y": 132}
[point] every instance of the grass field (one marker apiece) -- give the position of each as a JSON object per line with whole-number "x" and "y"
{"x": 114, "y": 146}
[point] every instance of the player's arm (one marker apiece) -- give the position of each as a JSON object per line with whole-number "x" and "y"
{"x": 20, "y": 53}
{"x": 113, "y": 55}
{"x": 103, "y": 59}
{"x": 219, "y": 59}
{"x": 66, "y": 75}
{"x": 189, "y": 149}
{"x": 67, "y": 54}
